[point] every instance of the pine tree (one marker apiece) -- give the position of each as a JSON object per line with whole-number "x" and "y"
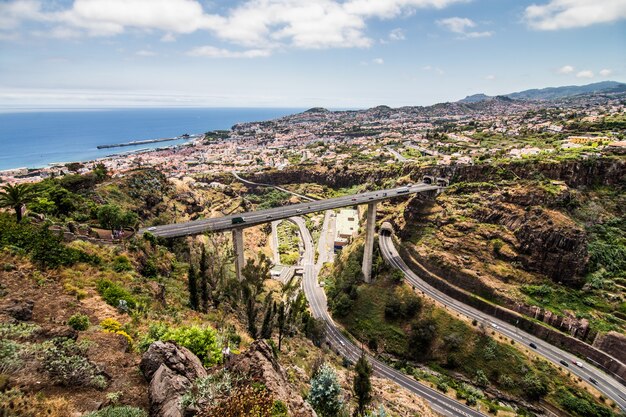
{"x": 281, "y": 323}
{"x": 268, "y": 319}
{"x": 192, "y": 283}
{"x": 362, "y": 384}
{"x": 204, "y": 284}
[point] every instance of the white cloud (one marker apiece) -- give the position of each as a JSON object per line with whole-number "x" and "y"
{"x": 213, "y": 52}
{"x": 397, "y": 35}
{"x": 606, "y": 72}
{"x": 253, "y": 24}
{"x": 490, "y": 77}
{"x": 564, "y": 14}
{"x": 378, "y": 61}
{"x": 585, "y": 74}
{"x": 168, "y": 37}
{"x": 435, "y": 69}
{"x": 145, "y": 52}
{"x": 566, "y": 69}
{"x": 460, "y": 25}
{"x": 13, "y": 13}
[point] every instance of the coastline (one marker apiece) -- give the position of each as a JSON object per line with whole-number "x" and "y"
{"x": 25, "y": 170}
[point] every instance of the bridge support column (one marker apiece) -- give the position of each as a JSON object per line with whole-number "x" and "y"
{"x": 239, "y": 251}
{"x": 368, "y": 250}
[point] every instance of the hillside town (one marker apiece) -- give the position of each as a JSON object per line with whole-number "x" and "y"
{"x": 442, "y": 134}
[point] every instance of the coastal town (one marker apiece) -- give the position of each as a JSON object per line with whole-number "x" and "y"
{"x": 443, "y": 134}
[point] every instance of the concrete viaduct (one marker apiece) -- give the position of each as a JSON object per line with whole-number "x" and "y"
{"x": 236, "y": 223}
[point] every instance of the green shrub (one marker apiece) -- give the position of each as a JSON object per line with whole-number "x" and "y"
{"x": 150, "y": 269}
{"x": 17, "y": 331}
{"x": 209, "y": 390}
{"x": 202, "y": 341}
{"x": 113, "y": 293}
{"x": 279, "y": 409}
{"x": 79, "y": 322}
{"x": 66, "y": 363}
{"x": 122, "y": 263}
{"x": 119, "y": 411}
{"x": 325, "y": 395}
{"x": 155, "y": 332}
{"x": 581, "y": 406}
{"x": 10, "y": 360}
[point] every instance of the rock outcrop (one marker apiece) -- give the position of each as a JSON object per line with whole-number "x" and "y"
{"x": 550, "y": 243}
{"x": 259, "y": 365}
{"x": 21, "y": 310}
{"x": 612, "y": 343}
{"x": 170, "y": 369}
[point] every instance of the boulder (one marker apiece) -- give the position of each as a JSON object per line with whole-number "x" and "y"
{"x": 179, "y": 359}
{"x": 171, "y": 370}
{"x": 21, "y": 310}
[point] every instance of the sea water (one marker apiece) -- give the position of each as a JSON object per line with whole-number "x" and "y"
{"x": 35, "y": 139}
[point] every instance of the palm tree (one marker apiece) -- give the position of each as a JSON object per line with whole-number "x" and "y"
{"x": 16, "y": 196}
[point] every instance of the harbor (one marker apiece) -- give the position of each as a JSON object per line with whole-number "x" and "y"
{"x": 143, "y": 142}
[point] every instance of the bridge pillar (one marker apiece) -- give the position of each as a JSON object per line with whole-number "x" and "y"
{"x": 239, "y": 250}
{"x": 368, "y": 250}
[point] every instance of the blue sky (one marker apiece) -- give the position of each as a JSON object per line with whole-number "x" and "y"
{"x": 300, "y": 53}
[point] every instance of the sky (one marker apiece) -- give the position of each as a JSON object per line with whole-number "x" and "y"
{"x": 299, "y": 53}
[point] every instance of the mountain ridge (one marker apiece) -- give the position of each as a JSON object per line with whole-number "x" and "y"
{"x": 553, "y": 93}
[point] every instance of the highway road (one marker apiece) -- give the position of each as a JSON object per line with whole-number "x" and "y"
{"x": 304, "y": 197}
{"x": 254, "y": 218}
{"x": 397, "y": 154}
{"x": 609, "y": 387}
{"x": 317, "y": 301}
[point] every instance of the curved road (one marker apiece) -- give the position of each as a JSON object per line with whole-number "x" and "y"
{"x": 304, "y": 197}
{"x": 317, "y": 301}
{"x": 606, "y": 384}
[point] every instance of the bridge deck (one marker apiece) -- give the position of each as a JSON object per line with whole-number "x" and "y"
{"x": 253, "y": 218}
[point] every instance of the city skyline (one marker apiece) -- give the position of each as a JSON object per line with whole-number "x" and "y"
{"x": 289, "y": 53}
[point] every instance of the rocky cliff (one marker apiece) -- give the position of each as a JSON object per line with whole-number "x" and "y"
{"x": 599, "y": 171}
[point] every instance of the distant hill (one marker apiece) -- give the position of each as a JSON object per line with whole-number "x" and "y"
{"x": 553, "y": 93}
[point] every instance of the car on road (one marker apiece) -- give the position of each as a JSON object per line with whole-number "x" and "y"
{"x": 564, "y": 363}
{"x": 578, "y": 363}
{"x": 371, "y": 198}
{"x": 151, "y": 228}
{"x": 298, "y": 210}
{"x": 593, "y": 381}
{"x": 238, "y": 220}
{"x": 269, "y": 216}
{"x": 495, "y": 326}
{"x": 532, "y": 345}
{"x": 354, "y": 199}
{"x": 402, "y": 190}
{"x": 342, "y": 344}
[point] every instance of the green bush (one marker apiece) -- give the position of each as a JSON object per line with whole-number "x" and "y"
{"x": 113, "y": 293}
{"x": 17, "y": 330}
{"x": 122, "y": 263}
{"x": 79, "y": 322}
{"x": 325, "y": 395}
{"x": 10, "y": 360}
{"x": 119, "y": 411}
{"x": 66, "y": 363}
{"x": 279, "y": 409}
{"x": 202, "y": 341}
{"x": 581, "y": 406}
{"x": 209, "y": 390}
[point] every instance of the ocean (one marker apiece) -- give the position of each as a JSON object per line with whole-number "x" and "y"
{"x": 35, "y": 139}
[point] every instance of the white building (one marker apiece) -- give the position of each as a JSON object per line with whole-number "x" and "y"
{"x": 347, "y": 227}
